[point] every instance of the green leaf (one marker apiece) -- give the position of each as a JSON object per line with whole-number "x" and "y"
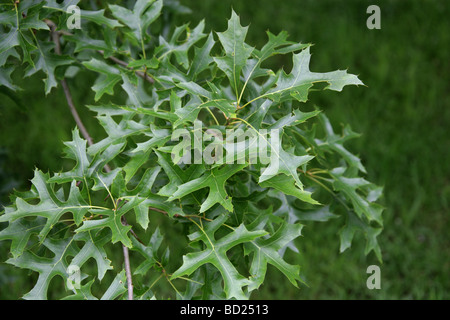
{"x": 277, "y": 44}
{"x": 107, "y": 80}
{"x": 87, "y": 168}
{"x": 157, "y": 114}
{"x": 216, "y": 254}
{"x": 5, "y": 79}
{"x": 158, "y": 137}
{"x": 212, "y": 288}
{"x": 283, "y": 162}
{"x": 99, "y": 18}
{"x": 236, "y": 51}
{"x": 117, "y": 133}
{"x": 335, "y": 143}
{"x": 11, "y": 52}
{"x": 214, "y": 180}
{"x": 20, "y": 231}
{"x": 47, "y": 268}
{"x": 138, "y": 19}
{"x": 50, "y": 205}
{"x": 142, "y": 198}
{"x": 265, "y": 251}
{"x": 134, "y": 164}
{"x": 61, "y": 5}
{"x": 287, "y": 186}
{"x": 353, "y": 225}
{"x": 348, "y": 187}
{"x": 298, "y": 117}
{"x": 240, "y": 217}
{"x": 202, "y": 58}
{"x": 151, "y": 64}
{"x": 20, "y": 25}
{"x": 180, "y": 47}
{"x": 31, "y": 19}
{"x": 298, "y": 83}
{"x": 10, "y": 40}
{"x": 112, "y": 221}
{"x": 177, "y": 176}
{"x": 83, "y": 293}
{"x": 47, "y": 62}
{"x": 322, "y": 214}
{"x": 93, "y": 248}
{"x": 116, "y": 288}
{"x": 149, "y": 252}
{"x": 75, "y": 150}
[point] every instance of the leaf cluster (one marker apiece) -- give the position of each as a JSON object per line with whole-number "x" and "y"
{"x": 239, "y": 217}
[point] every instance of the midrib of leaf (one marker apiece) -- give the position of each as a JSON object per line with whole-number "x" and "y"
{"x": 224, "y": 268}
{"x": 88, "y": 193}
{"x": 272, "y": 46}
{"x": 58, "y": 208}
{"x": 142, "y": 41}
{"x": 189, "y": 179}
{"x": 206, "y": 235}
{"x": 282, "y": 90}
{"x": 201, "y": 105}
{"x": 109, "y": 193}
{"x": 247, "y": 80}
{"x": 234, "y": 58}
{"x": 262, "y": 96}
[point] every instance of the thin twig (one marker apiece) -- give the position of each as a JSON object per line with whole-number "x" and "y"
{"x": 158, "y": 210}
{"x": 58, "y": 33}
{"x": 75, "y": 114}
{"x": 55, "y": 37}
{"x": 73, "y": 109}
{"x": 141, "y": 74}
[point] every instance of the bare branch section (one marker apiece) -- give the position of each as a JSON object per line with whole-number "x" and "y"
{"x": 55, "y": 37}
{"x": 128, "y": 272}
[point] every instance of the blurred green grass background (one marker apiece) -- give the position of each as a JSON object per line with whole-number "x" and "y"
{"x": 403, "y": 115}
